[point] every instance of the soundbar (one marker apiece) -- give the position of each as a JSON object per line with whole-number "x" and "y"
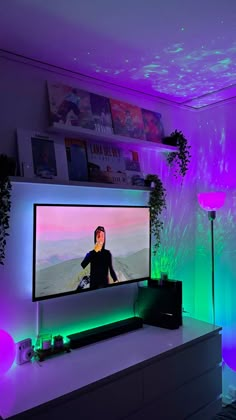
{"x": 93, "y": 335}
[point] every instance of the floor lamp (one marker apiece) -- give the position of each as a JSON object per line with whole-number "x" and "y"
{"x": 211, "y": 202}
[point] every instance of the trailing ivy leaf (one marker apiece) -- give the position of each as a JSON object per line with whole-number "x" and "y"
{"x": 7, "y": 167}
{"x": 157, "y": 202}
{"x": 181, "y": 158}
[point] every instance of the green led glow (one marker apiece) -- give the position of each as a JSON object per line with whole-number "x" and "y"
{"x": 79, "y": 326}
{"x": 224, "y": 226}
{"x": 89, "y": 323}
{"x": 165, "y": 261}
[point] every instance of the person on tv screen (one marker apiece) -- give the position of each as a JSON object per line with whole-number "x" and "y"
{"x": 100, "y": 260}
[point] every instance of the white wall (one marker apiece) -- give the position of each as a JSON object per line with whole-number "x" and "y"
{"x": 24, "y": 95}
{"x": 217, "y": 172}
{"x": 212, "y": 135}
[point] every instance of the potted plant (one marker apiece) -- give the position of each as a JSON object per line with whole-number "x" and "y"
{"x": 157, "y": 202}
{"x": 181, "y": 158}
{"x": 7, "y": 168}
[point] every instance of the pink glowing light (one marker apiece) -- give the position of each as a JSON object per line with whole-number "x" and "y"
{"x": 7, "y": 351}
{"x": 212, "y": 200}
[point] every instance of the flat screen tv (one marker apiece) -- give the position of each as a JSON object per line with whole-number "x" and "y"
{"x": 79, "y": 248}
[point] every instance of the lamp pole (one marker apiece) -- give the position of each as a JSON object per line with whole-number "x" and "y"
{"x": 212, "y": 216}
{"x": 212, "y": 201}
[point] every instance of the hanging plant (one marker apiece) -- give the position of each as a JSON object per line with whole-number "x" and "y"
{"x": 7, "y": 168}
{"x": 157, "y": 202}
{"x": 181, "y": 158}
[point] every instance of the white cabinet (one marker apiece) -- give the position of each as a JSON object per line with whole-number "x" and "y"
{"x": 151, "y": 373}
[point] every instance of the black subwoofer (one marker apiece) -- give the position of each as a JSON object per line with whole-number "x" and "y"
{"x": 160, "y": 303}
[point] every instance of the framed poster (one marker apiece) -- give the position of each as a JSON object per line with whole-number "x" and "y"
{"x": 106, "y": 163}
{"x": 41, "y": 156}
{"x": 101, "y": 111}
{"x": 127, "y": 119}
{"x": 69, "y": 106}
{"x": 132, "y": 167}
{"x": 153, "y": 127}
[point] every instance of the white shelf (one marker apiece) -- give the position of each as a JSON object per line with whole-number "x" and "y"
{"x": 93, "y": 135}
{"x": 21, "y": 179}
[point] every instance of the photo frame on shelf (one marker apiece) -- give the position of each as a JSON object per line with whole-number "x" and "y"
{"x": 41, "y": 156}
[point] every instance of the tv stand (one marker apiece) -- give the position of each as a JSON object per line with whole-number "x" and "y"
{"x": 106, "y": 331}
{"x": 149, "y": 373}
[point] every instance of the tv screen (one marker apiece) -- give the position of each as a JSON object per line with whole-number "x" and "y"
{"x": 79, "y": 248}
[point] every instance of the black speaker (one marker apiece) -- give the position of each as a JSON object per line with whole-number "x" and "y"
{"x": 160, "y": 303}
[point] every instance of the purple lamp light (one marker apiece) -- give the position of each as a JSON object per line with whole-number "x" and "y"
{"x": 211, "y": 202}
{"x": 7, "y": 351}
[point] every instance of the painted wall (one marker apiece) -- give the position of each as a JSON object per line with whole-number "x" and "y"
{"x": 216, "y": 172}
{"x": 185, "y": 249}
{"x": 26, "y": 106}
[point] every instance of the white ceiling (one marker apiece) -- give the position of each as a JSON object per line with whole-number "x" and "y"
{"x": 180, "y": 50}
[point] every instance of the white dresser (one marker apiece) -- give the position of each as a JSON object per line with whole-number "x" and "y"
{"x": 150, "y": 373}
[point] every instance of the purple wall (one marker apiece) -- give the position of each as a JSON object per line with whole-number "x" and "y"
{"x": 185, "y": 240}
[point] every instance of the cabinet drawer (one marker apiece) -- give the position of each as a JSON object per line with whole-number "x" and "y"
{"x": 113, "y": 400}
{"x": 198, "y": 396}
{"x": 174, "y": 370}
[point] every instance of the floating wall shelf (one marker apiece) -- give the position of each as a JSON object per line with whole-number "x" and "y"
{"x": 94, "y": 135}
{"x": 20, "y": 179}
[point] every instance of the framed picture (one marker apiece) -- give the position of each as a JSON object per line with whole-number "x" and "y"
{"x": 132, "y": 167}
{"x": 41, "y": 156}
{"x": 69, "y": 106}
{"x": 101, "y": 111}
{"x": 76, "y": 154}
{"x": 153, "y": 127}
{"x": 106, "y": 163}
{"x": 127, "y": 119}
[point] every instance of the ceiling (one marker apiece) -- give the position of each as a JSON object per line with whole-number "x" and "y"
{"x": 178, "y": 50}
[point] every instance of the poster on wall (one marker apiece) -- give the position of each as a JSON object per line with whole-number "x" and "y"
{"x": 153, "y": 127}
{"x": 69, "y": 106}
{"x": 106, "y": 163}
{"x": 101, "y": 111}
{"x": 127, "y": 119}
{"x": 76, "y": 154}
